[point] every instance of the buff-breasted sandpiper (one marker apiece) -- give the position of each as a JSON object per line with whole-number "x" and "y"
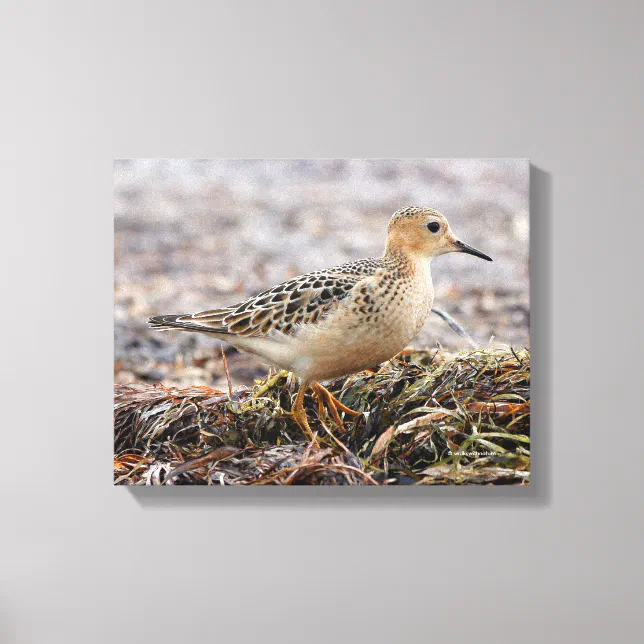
{"x": 341, "y": 320}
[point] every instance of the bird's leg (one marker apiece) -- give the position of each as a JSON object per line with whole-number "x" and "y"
{"x": 318, "y": 397}
{"x": 333, "y": 404}
{"x": 299, "y": 414}
{"x": 322, "y": 395}
{"x": 337, "y": 403}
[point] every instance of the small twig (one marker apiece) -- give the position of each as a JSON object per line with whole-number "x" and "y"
{"x": 516, "y": 356}
{"x": 350, "y": 468}
{"x": 230, "y": 386}
{"x": 454, "y": 325}
{"x": 313, "y": 467}
{"x": 337, "y": 442}
{"x": 216, "y": 455}
{"x": 269, "y": 382}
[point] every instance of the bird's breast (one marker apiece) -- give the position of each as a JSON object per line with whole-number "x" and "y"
{"x": 372, "y": 327}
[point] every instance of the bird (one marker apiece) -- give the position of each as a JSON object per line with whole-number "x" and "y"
{"x": 342, "y": 320}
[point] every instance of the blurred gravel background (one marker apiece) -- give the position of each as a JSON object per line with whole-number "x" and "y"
{"x": 192, "y": 235}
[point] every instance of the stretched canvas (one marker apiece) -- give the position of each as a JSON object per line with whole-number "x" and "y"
{"x": 322, "y": 322}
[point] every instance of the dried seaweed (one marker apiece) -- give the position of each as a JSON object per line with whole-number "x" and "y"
{"x": 428, "y": 418}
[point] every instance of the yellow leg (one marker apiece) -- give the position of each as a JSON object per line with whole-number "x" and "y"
{"x": 333, "y": 404}
{"x": 320, "y": 402}
{"x": 299, "y": 414}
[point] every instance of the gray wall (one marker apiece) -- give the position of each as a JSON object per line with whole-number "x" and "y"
{"x": 84, "y": 83}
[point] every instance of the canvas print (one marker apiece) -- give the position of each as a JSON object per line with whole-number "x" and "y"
{"x": 322, "y": 322}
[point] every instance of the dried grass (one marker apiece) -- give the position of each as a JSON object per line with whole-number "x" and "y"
{"x": 429, "y": 418}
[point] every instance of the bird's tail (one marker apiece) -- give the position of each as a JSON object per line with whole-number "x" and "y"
{"x": 183, "y": 322}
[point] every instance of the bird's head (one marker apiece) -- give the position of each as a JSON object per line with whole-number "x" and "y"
{"x": 425, "y": 232}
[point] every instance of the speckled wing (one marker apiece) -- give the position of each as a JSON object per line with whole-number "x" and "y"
{"x": 300, "y": 301}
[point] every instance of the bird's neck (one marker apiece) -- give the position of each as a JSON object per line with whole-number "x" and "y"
{"x": 412, "y": 267}
{"x": 406, "y": 263}
{"x": 411, "y": 271}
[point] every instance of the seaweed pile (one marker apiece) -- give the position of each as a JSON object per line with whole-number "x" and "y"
{"x": 428, "y": 418}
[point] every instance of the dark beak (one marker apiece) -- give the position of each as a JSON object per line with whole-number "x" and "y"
{"x": 465, "y": 248}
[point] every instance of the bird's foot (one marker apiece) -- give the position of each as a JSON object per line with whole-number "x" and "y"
{"x": 299, "y": 415}
{"x": 325, "y": 397}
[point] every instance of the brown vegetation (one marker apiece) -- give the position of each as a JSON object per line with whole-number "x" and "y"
{"x": 428, "y": 418}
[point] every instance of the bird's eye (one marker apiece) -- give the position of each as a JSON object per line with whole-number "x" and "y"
{"x": 433, "y": 226}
